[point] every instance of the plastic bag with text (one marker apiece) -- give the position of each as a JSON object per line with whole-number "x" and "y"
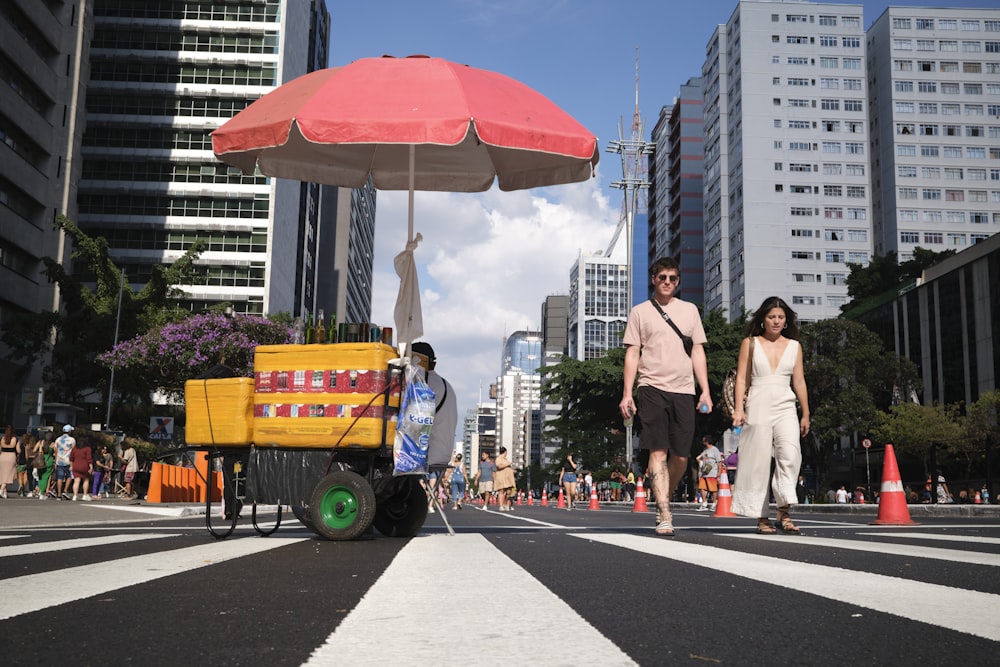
{"x": 413, "y": 429}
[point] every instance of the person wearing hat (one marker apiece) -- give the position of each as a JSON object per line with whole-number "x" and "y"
{"x": 442, "y": 440}
{"x": 64, "y": 445}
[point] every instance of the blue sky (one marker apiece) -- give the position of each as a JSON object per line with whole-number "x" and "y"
{"x": 488, "y": 261}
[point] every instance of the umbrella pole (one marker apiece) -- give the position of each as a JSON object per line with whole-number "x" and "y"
{"x": 409, "y": 213}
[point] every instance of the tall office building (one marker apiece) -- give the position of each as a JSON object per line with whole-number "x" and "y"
{"x": 934, "y": 85}
{"x": 518, "y": 398}
{"x": 163, "y": 76}
{"x": 43, "y": 71}
{"x": 599, "y": 303}
{"x": 676, "y": 227}
{"x": 555, "y": 345}
{"x": 786, "y": 191}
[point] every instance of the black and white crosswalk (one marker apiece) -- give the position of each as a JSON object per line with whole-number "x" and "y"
{"x": 540, "y": 588}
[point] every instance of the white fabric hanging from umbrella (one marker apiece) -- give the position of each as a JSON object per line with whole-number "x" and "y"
{"x": 408, "y": 315}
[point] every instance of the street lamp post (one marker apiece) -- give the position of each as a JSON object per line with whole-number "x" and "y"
{"x": 111, "y": 383}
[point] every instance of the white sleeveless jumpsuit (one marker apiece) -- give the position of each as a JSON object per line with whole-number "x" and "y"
{"x": 772, "y": 424}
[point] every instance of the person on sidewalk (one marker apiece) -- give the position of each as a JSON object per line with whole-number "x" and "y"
{"x": 64, "y": 445}
{"x": 664, "y": 346}
{"x": 567, "y": 479}
{"x": 708, "y": 470}
{"x": 131, "y": 461}
{"x": 457, "y": 482}
{"x": 8, "y": 458}
{"x": 503, "y": 481}
{"x": 81, "y": 461}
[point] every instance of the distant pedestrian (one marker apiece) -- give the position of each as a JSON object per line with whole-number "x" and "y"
{"x": 842, "y": 495}
{"x": 8, "y": 459}
{"x": 130, "y": 460}
{"x": 457, "y": 482}
{"x": 567, "y": 479}
{"x": 484, "y": 478}
{"x": 64, "y": 476}
{"x": 82, "y": 463}
{"x": 942, "y": 490}
{"x": 503, "y": 481}
{"x": 27, "y": 443}
{"x": 708, "y": 474}
{"x": 45, "y": 481}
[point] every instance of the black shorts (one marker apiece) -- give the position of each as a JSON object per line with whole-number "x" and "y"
{"x": 667, "y": 420}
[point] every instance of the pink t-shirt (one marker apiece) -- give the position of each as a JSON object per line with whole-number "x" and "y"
{"x": 662, "y": 361}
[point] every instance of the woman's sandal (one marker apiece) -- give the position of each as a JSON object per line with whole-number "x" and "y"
{"x": 764, "y": 527}
{"x": 785, "y": 524}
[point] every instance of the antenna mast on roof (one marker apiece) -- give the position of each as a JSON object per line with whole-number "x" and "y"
{"x": 633, "y": 152}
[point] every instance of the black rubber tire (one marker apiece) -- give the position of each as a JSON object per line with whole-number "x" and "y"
{"x": 403, "y": 513}
{"x": 342, "y": 506}
{"x": 304, "y": 515}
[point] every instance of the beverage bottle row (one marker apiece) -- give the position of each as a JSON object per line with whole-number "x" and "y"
{"x": 307, "y": 333}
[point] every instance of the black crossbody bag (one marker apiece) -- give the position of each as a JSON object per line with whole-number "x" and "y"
{"x": 687, "y": 340}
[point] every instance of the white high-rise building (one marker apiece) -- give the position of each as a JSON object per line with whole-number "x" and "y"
{"x": 599, "y": 303}
{"x": 787, "y": 196}
{"x": 934, "y": 85}
{"x": 163, "y": 75}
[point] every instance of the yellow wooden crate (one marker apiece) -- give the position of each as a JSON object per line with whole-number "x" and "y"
{"x": 219, "y": 412}
{"x": 311, "y": 395}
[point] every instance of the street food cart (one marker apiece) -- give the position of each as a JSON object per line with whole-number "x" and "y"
{"x": 314, "y": 430}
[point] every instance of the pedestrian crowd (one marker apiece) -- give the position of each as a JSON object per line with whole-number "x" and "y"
{"x": 45, "y": 467}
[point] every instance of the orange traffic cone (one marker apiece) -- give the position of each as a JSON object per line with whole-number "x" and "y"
{"x": 724, "y": 498}
{"x": 531, "y": 498}
{"x": 594, "y": 504}
{"x": 562, "y": 501}
{"x": 979, "y": 499}
{"x": 545, "y": 499}
{"x": 640, "y": 497}
{"x": 892, "y": 509}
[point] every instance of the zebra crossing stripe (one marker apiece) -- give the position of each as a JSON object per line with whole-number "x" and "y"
{"x": 933, "y": 604}
{"x": 417, "y": 625}
{"x": 975, "y": 539}
{"x": 906, "y": 550}
{"x": 50, "y": 589}
{"x": 63, "y": 545}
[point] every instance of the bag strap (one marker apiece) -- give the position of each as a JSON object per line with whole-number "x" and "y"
{"x": 749, "y": 364}
{"x": 444, "y": 396}
{"x": 666, "y": 318}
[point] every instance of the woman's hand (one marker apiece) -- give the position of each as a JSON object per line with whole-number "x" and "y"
{"x": 739, "y": 419}
{"x": 804, "y": 426}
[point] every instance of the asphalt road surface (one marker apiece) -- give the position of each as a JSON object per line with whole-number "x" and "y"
{"x": 111, "y": 583}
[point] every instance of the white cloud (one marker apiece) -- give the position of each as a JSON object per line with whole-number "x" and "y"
{"x": 486, "y": 264}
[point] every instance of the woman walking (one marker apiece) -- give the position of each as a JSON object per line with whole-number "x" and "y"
{"x": 770, "y": 422}
{"x": 503, "y": 481}
{"x": 9, "y": 444}
{"x": 457, "y": 482}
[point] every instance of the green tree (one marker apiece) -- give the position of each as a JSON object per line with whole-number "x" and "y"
{"x": 982, "y": 429}
{"x": 589, "y": 422}
{"x": 849, "y": 378}
{"x": 867, "y": 282}
{"x": 911, "y": 428}
{"x": 85, "y": 327}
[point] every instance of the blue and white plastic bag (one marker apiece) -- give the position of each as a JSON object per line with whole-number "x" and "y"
{"x": 413, "y": 428}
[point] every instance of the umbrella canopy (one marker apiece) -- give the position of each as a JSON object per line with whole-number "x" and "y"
{"x": 468, "y": 127}
{"x": 414, "y": 123}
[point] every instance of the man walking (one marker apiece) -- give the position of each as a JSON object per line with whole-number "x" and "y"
{"x": 64, "y": 445}
{"x": 664, "y": 346}
{"x": 484, "y": 478}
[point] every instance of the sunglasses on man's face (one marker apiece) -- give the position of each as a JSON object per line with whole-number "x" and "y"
{"x": 668, "y": 277}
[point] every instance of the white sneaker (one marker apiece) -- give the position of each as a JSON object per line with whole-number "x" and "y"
{"x": 702, "y": 508}
{"x": 87, "y": 497}
{"x": 74, "y": 497}
{"x": 711, "y": 508}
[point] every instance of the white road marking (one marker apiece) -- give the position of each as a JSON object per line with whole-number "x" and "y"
{"x": 398, "y": 622}
{"x": 50, "y": 589}
{"x": 933, "y": 604}
{"x": 975, "y": 539}
{"x": 81, "y": 543}
{"x": 13, "y": 537}
{"x": 905, "y": 550}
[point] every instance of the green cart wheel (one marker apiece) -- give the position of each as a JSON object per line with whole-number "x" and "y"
{"x": 342, "y": 506}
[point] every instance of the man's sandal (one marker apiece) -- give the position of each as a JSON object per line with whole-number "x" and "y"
{"x": 664, "y": 522}
{"x": 785, "y": 524}
{"x": 764, "y": 527}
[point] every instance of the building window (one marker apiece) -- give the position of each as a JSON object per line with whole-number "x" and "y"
{"x": 908, "y": 215}
{"x": 927, "y": 130}
{"x": 855, "y": 170}
{"x": 857, "y": 257}
{"x": 904, "y": 86}
{"x": 904, "y": 171}
{"x": 829, "y": 63}
{"x": 925, "y": 24}
{"x": 930, "y": 172}
{"x": 909, "y": 237}
{"x": 833, "y": 234}
{"x": 835, "y": 256}
{"x": 851, "y": 42}
{"x": 857, "y": 214}
{"x": 933, "y": 238}
{"x": 833, "y": 191}
{"x": 931, "y": 194}
{"x": 833, "y": 213}
{"x": 852, "y": 63}
{"x": 907, "y": 193}
{"x": 831, "y": 169}
{"x": 836, "y": 279}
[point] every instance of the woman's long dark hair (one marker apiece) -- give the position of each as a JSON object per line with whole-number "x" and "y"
{"x": 756, "y": 325}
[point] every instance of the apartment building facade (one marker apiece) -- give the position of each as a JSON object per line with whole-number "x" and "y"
{"x": 934, "y": 86}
